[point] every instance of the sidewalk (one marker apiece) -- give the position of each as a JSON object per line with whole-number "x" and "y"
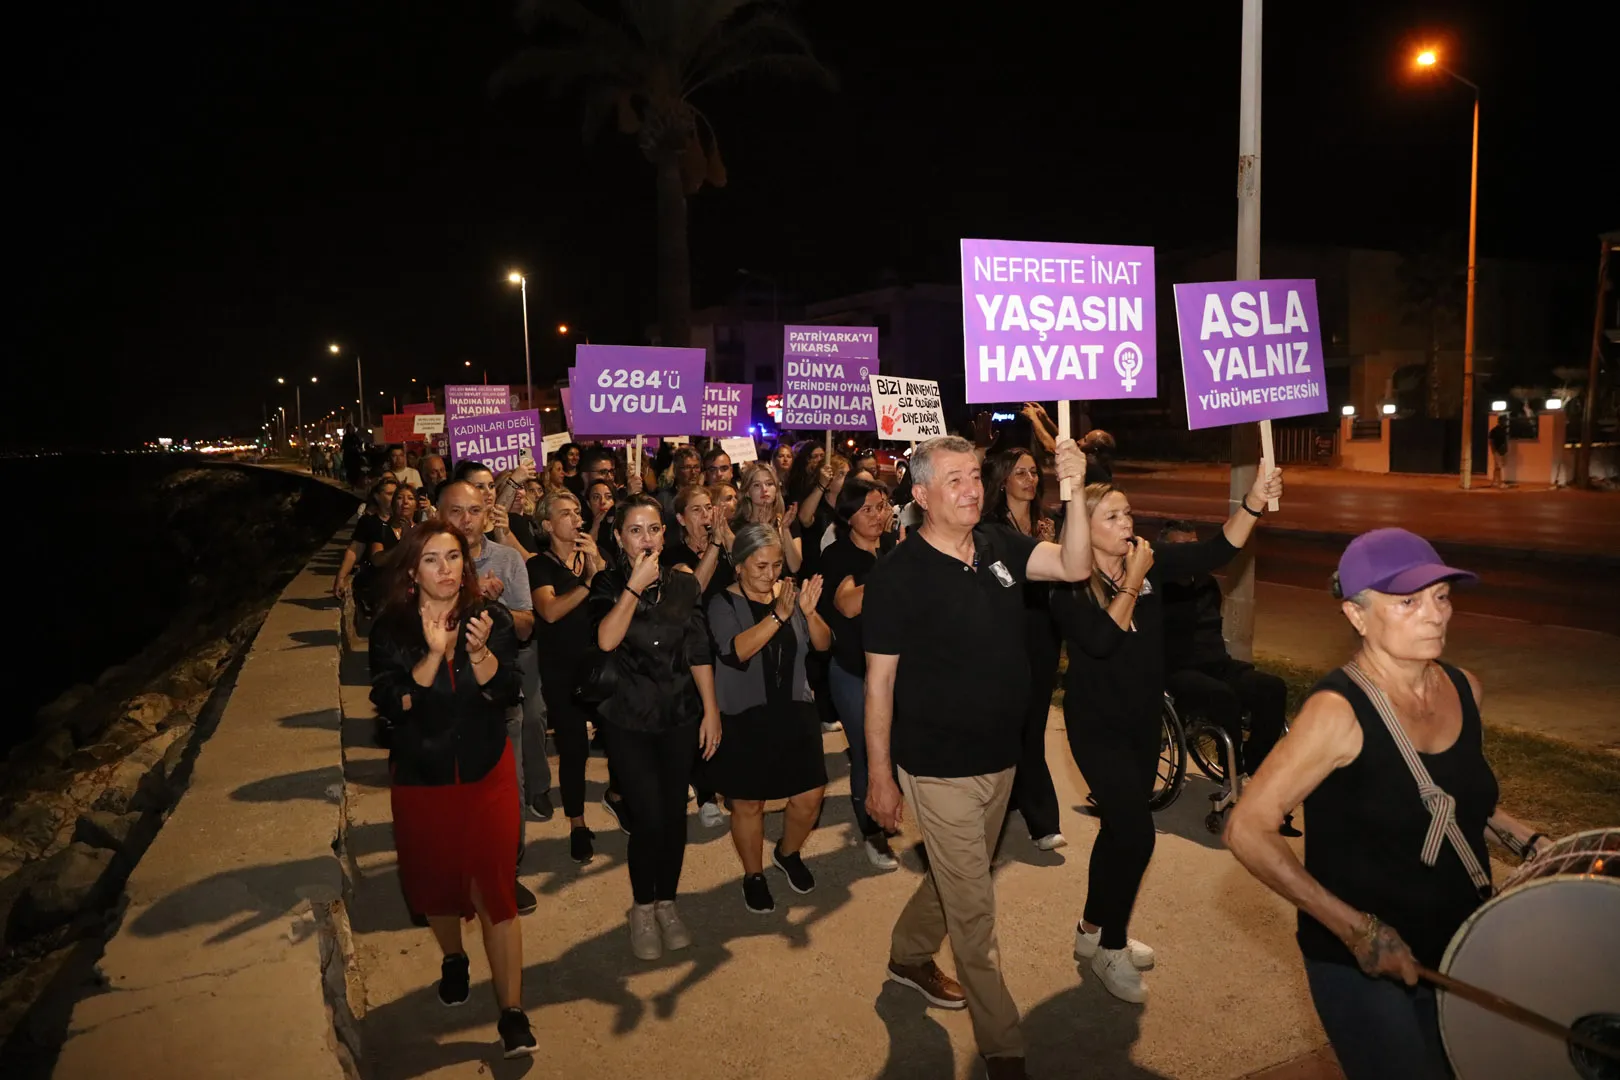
{"x": 1529, "y": 521}
{"x": 1522, "y": 666}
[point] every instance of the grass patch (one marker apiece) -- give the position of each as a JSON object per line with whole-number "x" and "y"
{"x": 1559, "y": 787}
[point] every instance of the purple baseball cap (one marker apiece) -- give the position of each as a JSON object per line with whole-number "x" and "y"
{"x": 1393, "y": 561}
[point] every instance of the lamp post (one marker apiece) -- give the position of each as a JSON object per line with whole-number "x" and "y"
{"x": 1429, "y": 59}
{"x": 528, "y": 374}
{"x": 359, "y": 384}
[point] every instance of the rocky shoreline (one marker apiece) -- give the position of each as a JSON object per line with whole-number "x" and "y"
{"x": 86, "y": 792}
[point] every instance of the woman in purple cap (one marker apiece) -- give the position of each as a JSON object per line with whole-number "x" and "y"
{"x": 1386, "y": 755}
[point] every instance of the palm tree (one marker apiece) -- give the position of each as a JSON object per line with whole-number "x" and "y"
{"x": 641, "y": 67}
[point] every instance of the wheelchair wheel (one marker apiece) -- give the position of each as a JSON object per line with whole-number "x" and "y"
{"x": 1172, "y": 775}
{"x": 1205, "y": 751}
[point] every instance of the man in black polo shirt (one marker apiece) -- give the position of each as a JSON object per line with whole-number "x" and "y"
{"x": 947, "y": 678}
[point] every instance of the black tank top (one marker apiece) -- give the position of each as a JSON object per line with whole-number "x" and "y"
{"x": 1365, "y": 825}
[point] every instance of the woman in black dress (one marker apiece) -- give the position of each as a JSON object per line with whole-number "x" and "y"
{"x": 1013, "y": 486}
{"x": 1112, "y": 700}
{"x": 560, "y": 578}
{"x": 764, "y": 627}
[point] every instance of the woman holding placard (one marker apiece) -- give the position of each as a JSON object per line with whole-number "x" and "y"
{"x": 1113, "y": 695}
{"x": 1013, "y": 486}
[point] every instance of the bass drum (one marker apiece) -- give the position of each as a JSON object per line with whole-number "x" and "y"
{"x": 1549, "y": 941}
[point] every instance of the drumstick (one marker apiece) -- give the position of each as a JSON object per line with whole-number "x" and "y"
{"x": 1501, "y": 1006}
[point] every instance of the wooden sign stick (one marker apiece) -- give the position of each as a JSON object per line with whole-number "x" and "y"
{"x": 1268, "y": 458}
{"x": 1064, "y": 490}
{"x": 636, "y": 461}
{"x": 1501, "y": 1006}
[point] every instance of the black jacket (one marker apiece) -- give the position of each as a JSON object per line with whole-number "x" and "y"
{"x": 454, "y": 731}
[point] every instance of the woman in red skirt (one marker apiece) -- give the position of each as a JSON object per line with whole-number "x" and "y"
{"x": 443, "y": 672}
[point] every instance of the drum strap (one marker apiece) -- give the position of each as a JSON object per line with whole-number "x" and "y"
{"x": 1441, "y": 806}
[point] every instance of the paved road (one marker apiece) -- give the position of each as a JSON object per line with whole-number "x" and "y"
{"x": 1562, "y": 523}
{"x": 1579, "y": 596}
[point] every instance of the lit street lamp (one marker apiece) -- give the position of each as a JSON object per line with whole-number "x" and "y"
{"x": 528, "y": 375}
{"x": 359, "y": 383}
{"x": 1429, "y": 59}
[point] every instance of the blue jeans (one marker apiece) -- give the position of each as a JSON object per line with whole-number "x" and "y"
{"x": 1380, "y": 1029}
{"x": 849, "y": 699}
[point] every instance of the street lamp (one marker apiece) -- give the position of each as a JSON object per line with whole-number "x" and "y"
{"x": 359, "y": 383}
{"x": 1429, "y": 59}
{"x": 528, "y": 375}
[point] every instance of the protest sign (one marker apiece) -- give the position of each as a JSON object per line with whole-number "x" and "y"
{"x": 476, "y": 399}
{"x": 825, "y": 376}
{"x": 553, "y": 443}
{"x": 727, "y": 409}
{"x": 740, "y": 450}
{"x": 907, "y": 409}
{"x": 399, "y": 428}
{"x": 1250, "y": 351}
{"x": 496, "y": 439}
{"x": 638, "y": 389}
{"x": 429, "y": 423}
{"x": 1065, "y": 321}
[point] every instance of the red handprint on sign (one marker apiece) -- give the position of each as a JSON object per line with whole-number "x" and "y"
{"x": 890, "y": 417}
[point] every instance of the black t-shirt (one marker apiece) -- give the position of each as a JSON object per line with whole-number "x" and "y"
{"x": 1192, "y": 623}
{"x": 1499, "y": 439}
{"x": 963, "y": 678}
{"x": 524, "y": 531}
{"x": 844, "y": 560}
{"x": 369, "y": 530}
{"x": 563, "y": 644}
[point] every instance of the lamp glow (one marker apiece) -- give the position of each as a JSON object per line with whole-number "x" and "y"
{"x": 1498, "y": 406}
{"x": 1389, "y": 409}
{"x": 1554, "y": 404}
{"x": 515, "y": 278}
{"x": 1348, "y": 410}
{"x": 1427, "y": 58}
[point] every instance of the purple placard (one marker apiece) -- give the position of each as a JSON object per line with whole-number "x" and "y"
{"x": 1250, "y": 350}
{"x": 727, "y": 409}
{"x": 637, "y": 389}
{"x": 496, "y": 439}
{"x": 826, "y": 376}
{"x": 476, "y": 399}
{"x": 1065, "y": 321}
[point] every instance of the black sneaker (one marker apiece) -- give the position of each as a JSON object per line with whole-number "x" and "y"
{"x": 517, "y": 1039}
{"x": 1287, "y": 828}
{"x": 757, "y": 895}
{"x": 800, "y": 879}
{"x": 453, "y": 980}
{"x": 418, "y": 919}
{"x": 526, "y": 902}
{"x": 616, "y": 810}
{"x": 540, "y": 806}
{"x": 580, "y": 848}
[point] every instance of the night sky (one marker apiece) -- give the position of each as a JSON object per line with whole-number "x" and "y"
{"x": 210, "y": 194}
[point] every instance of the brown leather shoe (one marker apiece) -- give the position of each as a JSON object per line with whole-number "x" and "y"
{"x": 1005, "y": 1068}
{"x": 939, "y": 988}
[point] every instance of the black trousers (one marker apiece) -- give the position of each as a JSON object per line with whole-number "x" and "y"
{"x": 567, "y": 718}
{"x": 1223, "y": 691}
{"x": 653, "y": 771}
{"x": 1119, "y": 767}
{"x": 1033, "y": 795}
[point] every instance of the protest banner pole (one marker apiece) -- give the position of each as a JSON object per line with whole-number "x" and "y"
{"x": 1067, "y": 486}
{"x": 637, "y": 465}
{"x": 1268, "y": 458}
{"x": 829, "y": 446}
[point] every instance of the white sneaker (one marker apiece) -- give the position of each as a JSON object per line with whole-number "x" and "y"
{"x": 1119, "y": 975}
{"x": 831, "y": 725}
{"x": 1087, "y": 946}
{"x": 878, "y": 852}
{"x": 645, "y": 940}
{"x": 1051, "y": 842}
{"x": 676, "y": 936}
{"x": 709, "y": 813}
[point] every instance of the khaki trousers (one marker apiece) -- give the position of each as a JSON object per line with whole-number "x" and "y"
{"x": 960, "y": 819}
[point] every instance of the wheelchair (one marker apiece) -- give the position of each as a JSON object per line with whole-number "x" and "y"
{"x": 1210, "y": 747}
